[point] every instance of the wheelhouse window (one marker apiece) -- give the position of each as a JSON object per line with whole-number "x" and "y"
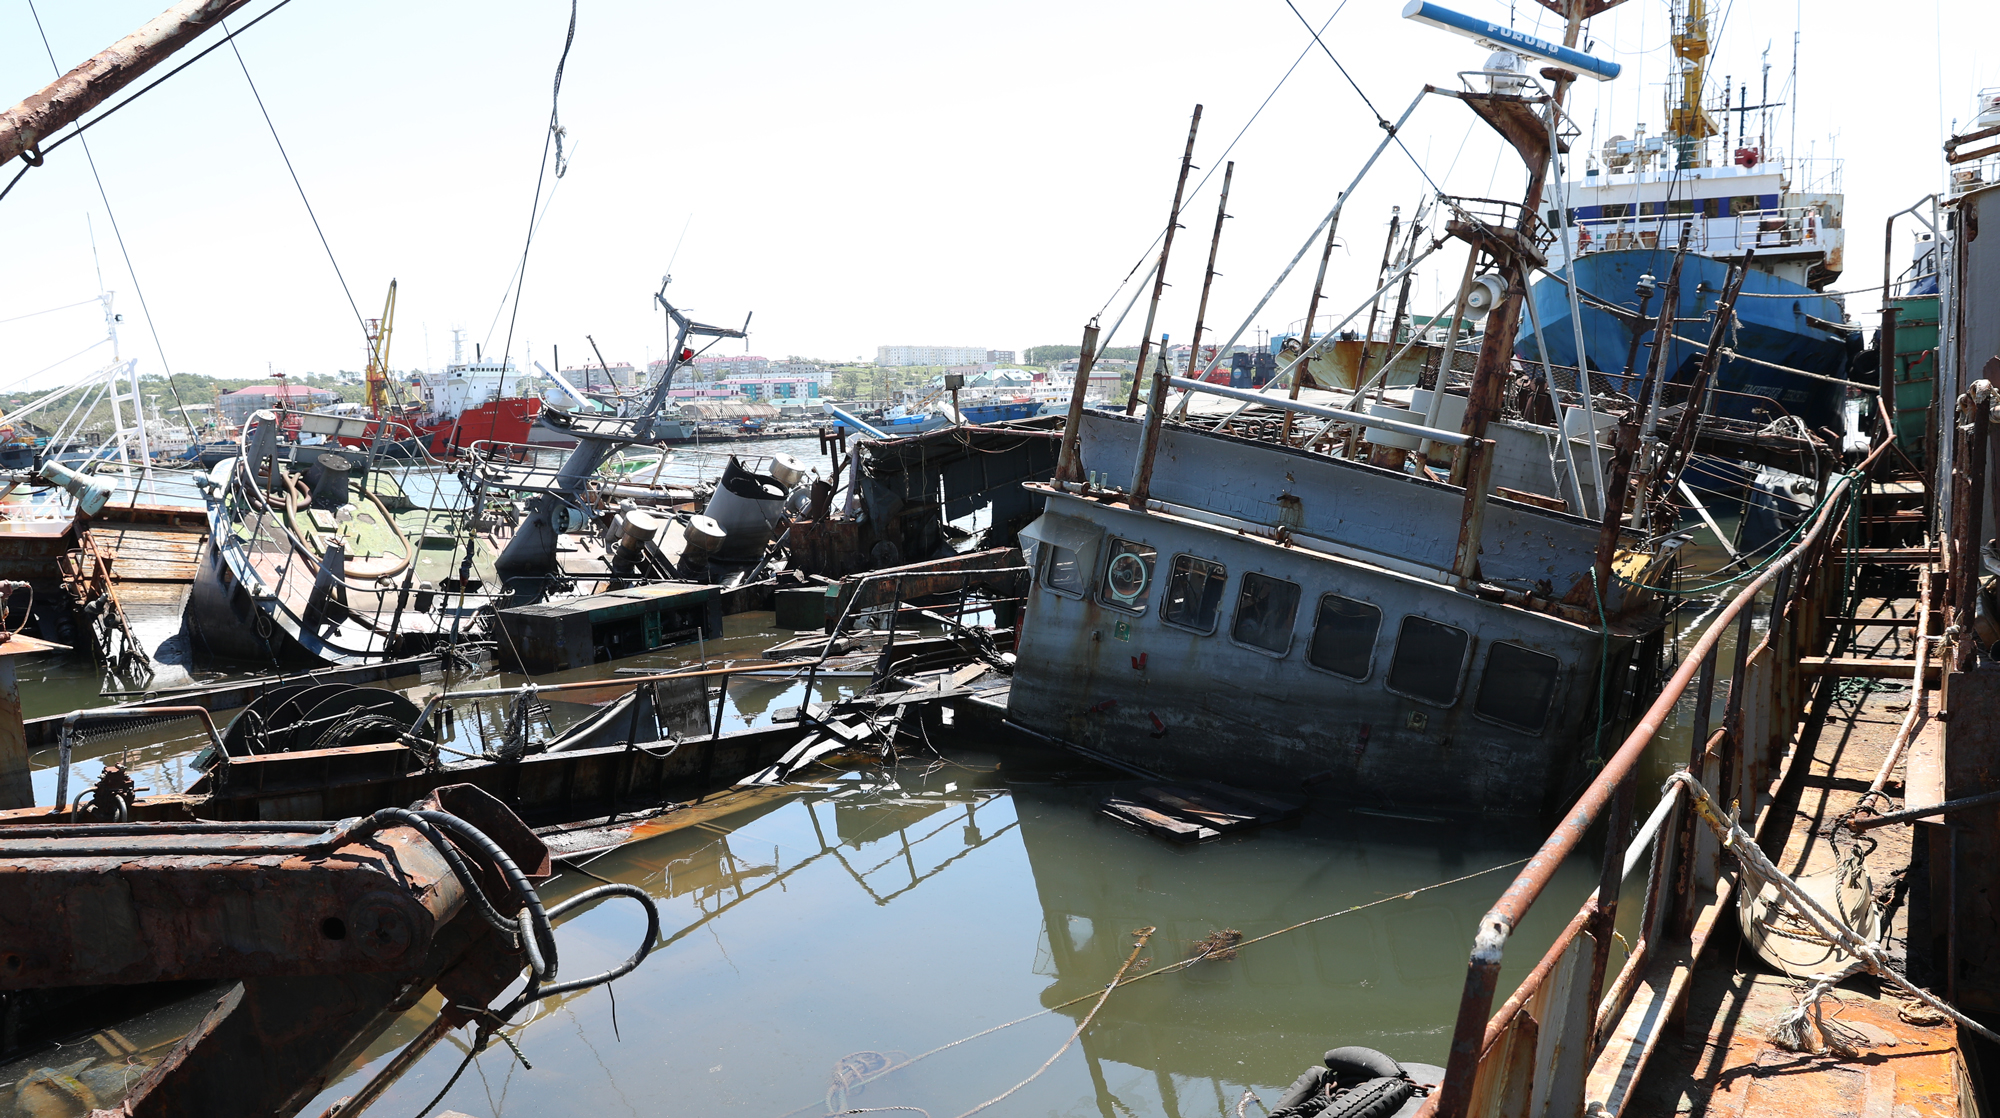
{"x": 1265, "y": 608}
{"x": 1428, "y": 657}
{"x": 1064, "y": 572}
{"x": 1128, "y": 576}
{"x": 1517, "y": 687}
{"x": 1343, "y": 637}
{"x": 1194, "y": 593}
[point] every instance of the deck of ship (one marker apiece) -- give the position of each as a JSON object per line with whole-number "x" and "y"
{"x": 1725, "y": 1063}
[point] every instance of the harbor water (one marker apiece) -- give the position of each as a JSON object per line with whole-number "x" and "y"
{"x": 925, "y": 933}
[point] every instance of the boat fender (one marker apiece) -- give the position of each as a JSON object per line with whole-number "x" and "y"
{"x": 1355, "y": 1063}
{"x": 1377, "y": 1098}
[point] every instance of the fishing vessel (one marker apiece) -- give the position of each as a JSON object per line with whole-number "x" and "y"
{"x": 1708, "y": 184}
{"x": 1427, "y": 605}
{"x": 439, "y": 413}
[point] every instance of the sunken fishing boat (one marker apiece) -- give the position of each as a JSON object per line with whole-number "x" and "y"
{"x": 324, "y": 555}
{"x": 1445, "y": 599}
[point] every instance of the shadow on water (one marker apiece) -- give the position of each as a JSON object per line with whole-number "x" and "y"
{"x": 820, "y": 940}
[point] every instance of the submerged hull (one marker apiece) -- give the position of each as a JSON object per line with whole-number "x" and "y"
{"x": 1772, "y": 327}
{"x": 1331, "y": 653}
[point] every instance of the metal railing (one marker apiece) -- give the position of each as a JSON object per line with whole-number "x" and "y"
{"x": 1560, "y": 1038}
{"x": 1789, "y": 227}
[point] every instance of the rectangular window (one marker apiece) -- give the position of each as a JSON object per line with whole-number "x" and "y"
{"x": 1265, "y": 608}
{"x": 1065, "y": 571}
{"x": 1517, "y": 687}
{"x": 1681, "y": 207}
{"x": 1618, "y": 209}
{"x": 1428, "y": 658}
{"x": 1343, "y": 639}
{"x": 1650, "y": 209}
{"x": 1194, "y": 593}
{"x": 1128, "y": 576}
{"x": 1743, "y": 204}
{"x": 1715, "y": 207}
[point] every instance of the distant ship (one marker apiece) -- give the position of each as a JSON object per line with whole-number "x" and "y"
{"x": 1693, "y": 186}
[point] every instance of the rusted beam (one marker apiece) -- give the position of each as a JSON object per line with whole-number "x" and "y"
{"x": 127, "y": 903}
{"x": 1862, "y": 667}
{"x": 26, "y": 125}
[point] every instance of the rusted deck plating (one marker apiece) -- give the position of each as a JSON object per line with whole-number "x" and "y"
{"x": 1726, "y": 1063}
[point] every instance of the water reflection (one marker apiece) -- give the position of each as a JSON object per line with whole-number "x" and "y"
{"x": 908, "y": 936}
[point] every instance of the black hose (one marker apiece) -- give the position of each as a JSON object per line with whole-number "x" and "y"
{"x": 535, "y": 991}
{"x": 428, "y": 823}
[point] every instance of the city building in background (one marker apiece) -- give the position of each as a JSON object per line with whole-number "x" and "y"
{"x": 939, "y": 355}
{"x": 235, "y": 407}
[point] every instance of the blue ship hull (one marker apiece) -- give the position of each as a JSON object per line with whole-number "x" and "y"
{"x": 931, "y": 421}
{"x": 1772, "y": 327}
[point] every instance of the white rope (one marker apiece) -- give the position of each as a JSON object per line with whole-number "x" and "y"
{"x": 1868, "y": 956}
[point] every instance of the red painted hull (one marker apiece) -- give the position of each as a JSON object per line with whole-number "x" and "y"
{"x": 497, "y": 421}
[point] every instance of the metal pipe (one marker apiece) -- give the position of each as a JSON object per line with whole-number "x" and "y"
{"x": 1297, "y": 364}
{"x": 1208, "y": 276}
{"x": 1332, "y": 217}
{"x": 1149, "y": 439}
{"x": 1250, "y": 396}
{"x": 1911, "y": 815}
{"x": 1066, "y": 460}
{"x": 858, "y": 425}
{"x": 39, "y": 115}
{"x": 1483, "y": 966}
{"x": 1562, "y": 436}
{"x": 1160, "y": 269}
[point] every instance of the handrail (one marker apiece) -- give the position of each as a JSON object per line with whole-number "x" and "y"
{"x": 1434, "y": 434}
{"x": 1473, "y": 1032}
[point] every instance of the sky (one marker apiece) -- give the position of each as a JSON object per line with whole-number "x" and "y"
{"x": 855, "y": 175}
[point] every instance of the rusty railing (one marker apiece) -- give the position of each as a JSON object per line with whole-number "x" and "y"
{"x": 1561, "y": 1041}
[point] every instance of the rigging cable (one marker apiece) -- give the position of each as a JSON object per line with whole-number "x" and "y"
{"x": 1380, "y": 120}
{"x": 129, "y": 270}
{"x": 150, "y": 86}
{"x": 351, "y": 305}
{"x": 1148, "y": 254}
{"x": 555, "y": 135}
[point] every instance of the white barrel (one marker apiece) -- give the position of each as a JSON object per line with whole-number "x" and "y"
{"x": 1451, "y": 411}
{"x": 787, "y": 470}
{"x": 1382, "y": 436}
{"x": 703, "y": 534}
{"x": 1576, "y": 425}
{"x": 638, "y": 526}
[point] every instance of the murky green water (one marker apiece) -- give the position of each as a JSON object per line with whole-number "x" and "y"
{"x": 926, "y": 935}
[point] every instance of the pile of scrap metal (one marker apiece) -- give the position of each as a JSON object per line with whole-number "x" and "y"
{"x": 904, "y": 500}
{"x": 307, "y": 940}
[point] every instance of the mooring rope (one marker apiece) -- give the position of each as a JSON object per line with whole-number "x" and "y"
{"x": 1206, "y": 952}
{"x": 1790, "y": 1031}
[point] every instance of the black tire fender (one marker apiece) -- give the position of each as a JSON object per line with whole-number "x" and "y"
{"x": 1377, "y": 1098}
{"x": 1354, "y": 1064}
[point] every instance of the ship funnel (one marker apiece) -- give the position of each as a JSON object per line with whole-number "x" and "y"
{"x": 91, "y": 493}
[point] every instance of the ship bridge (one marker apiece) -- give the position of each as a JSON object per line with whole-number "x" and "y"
{"x": 1717, "y": 211}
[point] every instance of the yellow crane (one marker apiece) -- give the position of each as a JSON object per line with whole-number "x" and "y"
{"x": 1687, "y": 121}
{"x": 379, "y": 330}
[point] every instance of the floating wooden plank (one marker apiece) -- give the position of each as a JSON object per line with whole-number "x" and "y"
{"x": 1267, "y": 805}
{"x": 1154, "y": 822}
{"x": 1860, "y": 667}
{"x": 1188, "y": 804}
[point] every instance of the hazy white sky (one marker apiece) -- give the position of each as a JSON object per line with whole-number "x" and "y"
{"x": 855, "y": 174}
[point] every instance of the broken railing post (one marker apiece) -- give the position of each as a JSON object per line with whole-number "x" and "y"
{"x": 1067, "y": 466}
